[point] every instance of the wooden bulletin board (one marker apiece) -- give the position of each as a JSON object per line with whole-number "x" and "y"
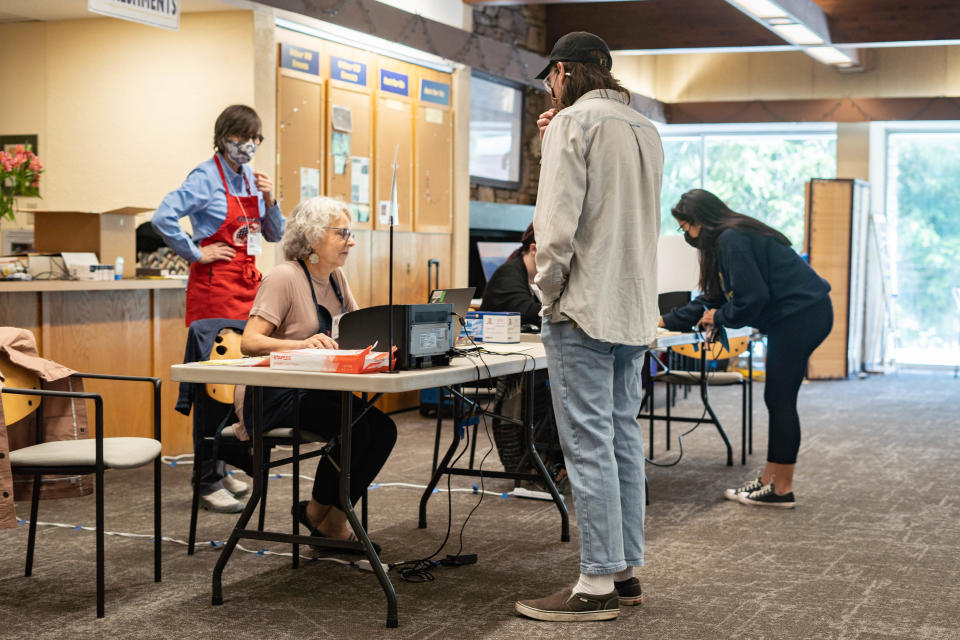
{"x": 300, "y": 140}
{"x": 394, "y": 126}
{"x": 358, "y": 100}
{"x": 433, "y": 161}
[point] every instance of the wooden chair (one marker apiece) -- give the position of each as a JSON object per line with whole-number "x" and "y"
{"x": 704, "y": 379}
{"x": 24, "y": 396}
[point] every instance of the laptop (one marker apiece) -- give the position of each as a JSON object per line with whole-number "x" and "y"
{"x": 459, "y": 298}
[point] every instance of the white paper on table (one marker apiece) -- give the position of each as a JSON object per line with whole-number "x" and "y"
{"x": 513, "y": 347}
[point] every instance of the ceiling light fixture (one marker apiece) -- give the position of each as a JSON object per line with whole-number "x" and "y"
{"x": 803, "y": 24}
{"x": 796, "y": 33}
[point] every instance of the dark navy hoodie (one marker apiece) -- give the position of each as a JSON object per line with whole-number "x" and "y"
{"x": 763, "y": 282}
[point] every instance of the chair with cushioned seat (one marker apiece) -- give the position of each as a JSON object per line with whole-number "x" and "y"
{"x": 79, "y": 457}
{"x": 704, "y": 379}
{"x": 216, "y": 406}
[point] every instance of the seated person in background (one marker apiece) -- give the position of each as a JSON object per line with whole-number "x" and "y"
{"x": 511, "y": 286}
{"x": 294, "y": 309}
{"x": 511, "y": 289}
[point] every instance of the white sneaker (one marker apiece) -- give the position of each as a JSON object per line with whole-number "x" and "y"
{"x": 234, "y": 485}
{"x": 747, "y": 487}
{"x": 221, "y": 501}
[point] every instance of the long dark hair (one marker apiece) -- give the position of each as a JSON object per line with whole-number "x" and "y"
{"x": 587, "y": 76}
{"x": 526, "y": 240}
{"x": 701, "y": 207}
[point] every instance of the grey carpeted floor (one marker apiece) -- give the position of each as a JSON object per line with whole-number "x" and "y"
{"x": 872, "y": 551}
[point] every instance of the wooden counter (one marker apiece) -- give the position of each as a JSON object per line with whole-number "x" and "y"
{"x": 125, "y": 327}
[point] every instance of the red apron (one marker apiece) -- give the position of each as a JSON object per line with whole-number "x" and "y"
{"x": 226, "y": 289}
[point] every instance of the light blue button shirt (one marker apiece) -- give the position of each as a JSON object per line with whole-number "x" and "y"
{"x": 202, "y": 197}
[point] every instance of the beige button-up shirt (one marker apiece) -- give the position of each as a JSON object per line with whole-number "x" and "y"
{"x": 597, "y": 219}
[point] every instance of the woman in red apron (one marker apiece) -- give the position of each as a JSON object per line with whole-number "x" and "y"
{"x": 226, "y": 289}
{"x": 232, "y": 210}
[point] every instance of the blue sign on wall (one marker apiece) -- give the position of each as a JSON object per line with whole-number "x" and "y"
{"x": 299, "y": 59}
{"x": 394, "y": 82}
{"x": 348, "y": 71}
{"x": 435, "y": 92}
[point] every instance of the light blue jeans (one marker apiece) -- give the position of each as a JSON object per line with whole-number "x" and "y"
{"x": 596, "y": 397}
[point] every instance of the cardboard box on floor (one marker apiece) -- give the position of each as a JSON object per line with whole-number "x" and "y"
{"x": 108, "y": 234}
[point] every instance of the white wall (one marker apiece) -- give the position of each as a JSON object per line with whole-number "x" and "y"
{"x": 124, "y": 111}
{"x": 451, "y": 12}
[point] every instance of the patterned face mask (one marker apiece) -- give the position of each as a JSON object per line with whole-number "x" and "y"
{"x": 240, "y": 152}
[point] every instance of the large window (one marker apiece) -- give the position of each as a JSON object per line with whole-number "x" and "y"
{"x": 922, "y": 198}
{"x": 759, "y": 170}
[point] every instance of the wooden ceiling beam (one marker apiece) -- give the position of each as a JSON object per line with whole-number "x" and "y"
{"x": 699, "y": 24}
{"x": 658, "y": 24}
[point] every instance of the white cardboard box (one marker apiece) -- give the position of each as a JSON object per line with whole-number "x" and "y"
{"x": 501, "y": 326}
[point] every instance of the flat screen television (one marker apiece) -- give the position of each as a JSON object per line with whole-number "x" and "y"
{"x": 496, "y": 124}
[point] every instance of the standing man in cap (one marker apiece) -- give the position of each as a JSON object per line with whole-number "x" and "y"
{"x": 597, "y": 221}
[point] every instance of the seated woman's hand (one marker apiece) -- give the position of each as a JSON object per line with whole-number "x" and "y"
{"x": 319, "y": 341}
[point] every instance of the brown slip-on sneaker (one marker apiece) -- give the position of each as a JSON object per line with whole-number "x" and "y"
{"x": 566, "y": 606}
{"x": 629, "y": 592}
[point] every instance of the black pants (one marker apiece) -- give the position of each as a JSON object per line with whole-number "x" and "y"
{"x": 789, "y": 345}
{"x": 372, "y": 440}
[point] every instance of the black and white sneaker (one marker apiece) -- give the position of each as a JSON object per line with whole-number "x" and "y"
{"x": 766, "y": 497}
{"x": 734, "y": 494}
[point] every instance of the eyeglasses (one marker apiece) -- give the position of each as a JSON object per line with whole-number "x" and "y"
{"x": 548, "y": 84}
{"x": 241, "y": 138}
{"x": 343, "y": 232}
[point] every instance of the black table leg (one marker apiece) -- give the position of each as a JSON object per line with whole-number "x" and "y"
{"x": 255, "y": 497}
{"x": 440, "y": 469}
{"x": 346, "y": 433}
{"x": 706, "y": 404}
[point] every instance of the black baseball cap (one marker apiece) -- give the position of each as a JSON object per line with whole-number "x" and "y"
{"x": 577, "y": 46}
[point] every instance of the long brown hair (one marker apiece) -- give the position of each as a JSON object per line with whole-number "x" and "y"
{"x": 701, "y": 207}
{"x": 584, "y": 77}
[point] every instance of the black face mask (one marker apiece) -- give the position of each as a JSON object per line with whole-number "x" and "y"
{"x": 690, "y": 240}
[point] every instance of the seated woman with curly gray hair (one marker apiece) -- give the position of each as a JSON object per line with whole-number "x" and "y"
{"x": 296, "y": 308}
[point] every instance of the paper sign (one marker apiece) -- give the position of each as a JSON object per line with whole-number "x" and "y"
{"x": 342, "y": 118}
{"x": 433, "y": 116}
{"x": 360, "y": 212}
{"x": 435, "y": 92}
{"x": 360, "y": 180}
{"x": 156, "y": 13}
{"x": 299, "y": 59}
{"x": 398, "y": 83}
{"x": 383, "y": 212}
{"x": 309, "y": 183}
{"x": 396, "y": 105}
{"x": 348, "y": 70}
{"x": 340, "y": 148}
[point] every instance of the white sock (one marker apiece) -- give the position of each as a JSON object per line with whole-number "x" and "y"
{"x": 626, "y": 574}
{"x": 594, "y": 585}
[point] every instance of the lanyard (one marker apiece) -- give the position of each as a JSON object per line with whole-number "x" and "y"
{"x": 324, "y": 320}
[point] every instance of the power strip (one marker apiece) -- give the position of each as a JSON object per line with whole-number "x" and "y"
{"x": 521, "y": 492}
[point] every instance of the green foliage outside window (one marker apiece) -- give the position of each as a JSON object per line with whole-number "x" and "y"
{"x": 923, "y": 198}
{"x": 759, "y": 175}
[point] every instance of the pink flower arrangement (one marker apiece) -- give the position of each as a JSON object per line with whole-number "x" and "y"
{"x": 20, "y": 171}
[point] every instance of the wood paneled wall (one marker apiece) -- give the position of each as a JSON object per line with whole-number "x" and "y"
{"x": 136, "y": 332}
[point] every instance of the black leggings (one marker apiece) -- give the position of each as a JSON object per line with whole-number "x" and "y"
{"x": 371, "y": 443}
{"x": 789, "y": 345}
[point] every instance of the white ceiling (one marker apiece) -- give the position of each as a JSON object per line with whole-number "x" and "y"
{"x": 26, "y": 10}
